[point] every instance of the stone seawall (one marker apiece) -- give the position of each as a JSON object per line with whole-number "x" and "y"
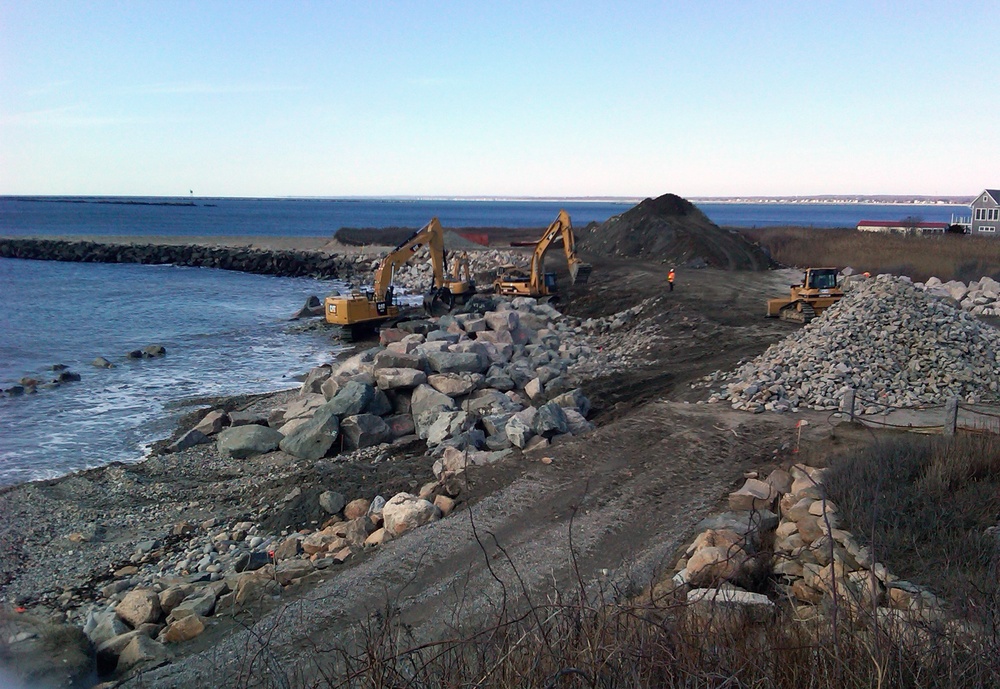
{"x": 260, "y": 261}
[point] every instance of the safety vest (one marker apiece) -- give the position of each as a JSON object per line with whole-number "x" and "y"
{"x": 670, "y": 276}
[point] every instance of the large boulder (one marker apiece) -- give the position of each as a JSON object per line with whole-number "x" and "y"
{"x": 364, "y": 430}
{"x": 425, "y": 399}
{"x": 183, "y": 629}
{"x": 574, "y": 399}
{"x": 142, "y": 650}
{"x": 713, "y": 564}
{"x": 447, "y": 425}
{"x": 361, "y": 362}
{"x": 457, "y": 362}
{"x": 400, "y": 425}
{"x": 213, "y": 422}
{"x": 405, "y": 511}
{"x": 393, "y": 378}
{"x": 488, "y": 401}
{"x": 451, "y": 384}
{"x": 332, "y": 502}
{"x": 314, "y": 438}
{"x": 314, "y": 380}
{"x": 503, "y": 320}
{"x": 393, "y": 359}
{"x": 576, "y": 423}
{"x": 519, "y": 427}
{"x": 353, "y": 398}
{"x": 550, "y": 420}
{"x": 305, "y": 406}
{"x": 139, "y": 607}
{"x": 246, "y": 441}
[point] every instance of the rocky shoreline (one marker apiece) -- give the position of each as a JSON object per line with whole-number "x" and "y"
{"x": 146, "y": 558}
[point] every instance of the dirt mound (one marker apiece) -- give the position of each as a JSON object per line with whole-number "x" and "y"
{"x": 672, "y": 229}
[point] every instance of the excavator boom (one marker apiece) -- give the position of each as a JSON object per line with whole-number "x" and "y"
{"x": 430, "y": 235}
{"x": 538, "y": 283}
{"x": 364, "y": 311}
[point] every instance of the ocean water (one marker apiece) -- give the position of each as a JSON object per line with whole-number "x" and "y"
{"x": 323, "y": 217}
{"x": 225, "y": 332}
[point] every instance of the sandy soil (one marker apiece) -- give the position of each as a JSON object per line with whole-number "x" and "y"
{"x": 635, "y": 490}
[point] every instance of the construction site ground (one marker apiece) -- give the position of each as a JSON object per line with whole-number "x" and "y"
{"x": 608, "y": 509}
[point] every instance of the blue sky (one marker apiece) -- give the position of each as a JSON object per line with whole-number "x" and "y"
{"x": 533, "y": 99}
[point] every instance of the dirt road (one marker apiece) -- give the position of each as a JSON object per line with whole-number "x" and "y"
{"x": 634, "y": 489}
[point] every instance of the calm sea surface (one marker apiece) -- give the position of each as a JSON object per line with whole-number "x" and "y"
{"x": 225, "y": 332}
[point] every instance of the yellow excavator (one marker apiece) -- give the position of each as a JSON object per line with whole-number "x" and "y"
{"x": 512, "y": 281}
{"x": 819, "y": 291}
{"x": 459, "y": 284}
{"x": 364, "y": 310}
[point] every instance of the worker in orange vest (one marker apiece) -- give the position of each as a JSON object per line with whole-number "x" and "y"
{"x": 670, "y": 279}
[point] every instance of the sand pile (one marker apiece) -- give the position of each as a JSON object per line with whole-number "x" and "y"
{"x": 890, "y": 341}
{"x": 673, "y": 230}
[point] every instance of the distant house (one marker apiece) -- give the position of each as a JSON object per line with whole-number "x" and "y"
{"x": 986, "y": 213}
{"x": 903, "y": 226}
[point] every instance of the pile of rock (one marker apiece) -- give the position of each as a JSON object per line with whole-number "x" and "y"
{"x": 817, "y": 561}
{"x": 979, "y": 297}
{"x": 491, "y": 379}
{"x": 416, "y": 276}
{"x": 893, "y": 343}
{"x": 171, "y": 597}
{"x": 476, "y": 386}
{"x": 814, "y": 561}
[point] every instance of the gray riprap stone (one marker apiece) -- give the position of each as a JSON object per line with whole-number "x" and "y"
{"x": 364, "y": 430}
{"x": 315, "y": 437}
{"x": 246, "y": 441}
{"x": 550, "y": 420}
{"x": 350, "y": 399}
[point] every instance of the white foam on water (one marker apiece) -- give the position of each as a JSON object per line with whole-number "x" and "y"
{"x": 219, "y": 342}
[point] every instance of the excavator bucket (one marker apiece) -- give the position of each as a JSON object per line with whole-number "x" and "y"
{"x": 579, "y": 273}
{"x": 438, "y": 302}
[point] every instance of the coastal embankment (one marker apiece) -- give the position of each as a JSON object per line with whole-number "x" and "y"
{"x": 247, "y": 257}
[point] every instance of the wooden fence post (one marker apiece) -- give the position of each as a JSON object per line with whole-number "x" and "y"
{"x": 847, "y": 404}
{"x": 951, "y": 416}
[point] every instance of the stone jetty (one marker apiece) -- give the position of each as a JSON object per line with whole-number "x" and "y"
{"x": 247, "y": 260}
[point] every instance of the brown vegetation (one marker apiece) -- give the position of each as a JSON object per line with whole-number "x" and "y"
{"x": 922, "y": 502}
{"x": 949, "y": 257}
{"x": 926, "y": 507}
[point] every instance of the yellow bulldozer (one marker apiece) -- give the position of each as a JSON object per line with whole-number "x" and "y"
{"x": 366, "y": 309}
{"x": 818, "y": 291}
{"x": 512, "y": 281}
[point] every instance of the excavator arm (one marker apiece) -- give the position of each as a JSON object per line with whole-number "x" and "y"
{"x": 430, "y": 235}
{"x": 562, "y": 228}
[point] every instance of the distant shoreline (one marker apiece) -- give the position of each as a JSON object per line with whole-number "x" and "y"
{"x": 874, "y": 199}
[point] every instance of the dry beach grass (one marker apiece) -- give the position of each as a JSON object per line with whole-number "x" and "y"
{"x": 949, "y": 257}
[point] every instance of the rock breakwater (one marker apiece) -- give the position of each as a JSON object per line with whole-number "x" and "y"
{"x": 259, "y": 261}
{"x": 890, "y": 341}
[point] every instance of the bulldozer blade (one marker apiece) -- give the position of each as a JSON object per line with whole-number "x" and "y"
{"x": 579, "y": 273}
